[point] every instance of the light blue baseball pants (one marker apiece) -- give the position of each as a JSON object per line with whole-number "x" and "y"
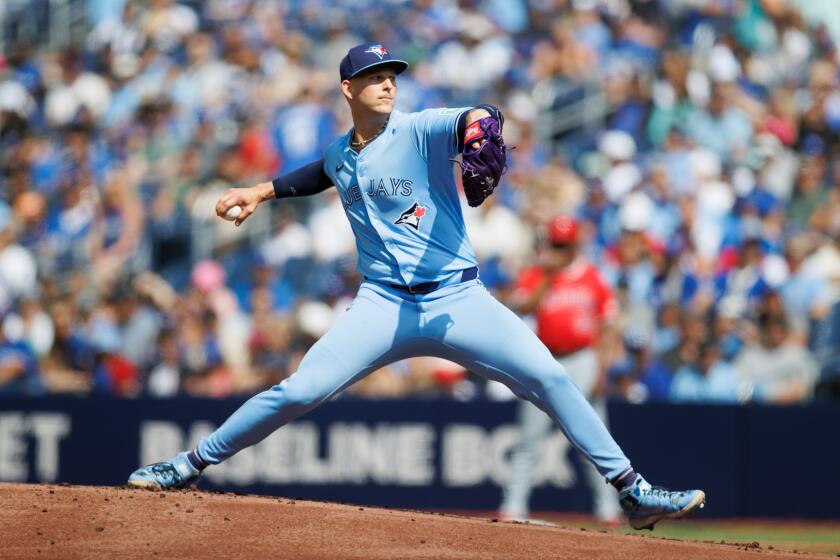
{"x": 462, "y": 323}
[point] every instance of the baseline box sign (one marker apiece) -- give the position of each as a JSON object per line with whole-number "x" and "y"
{"x": 398, "y": 453}
{"x": 404, "y": 454}
{"x": 435, "y": 454}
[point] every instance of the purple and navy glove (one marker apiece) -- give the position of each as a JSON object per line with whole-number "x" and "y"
{"x": 482, "y": 167}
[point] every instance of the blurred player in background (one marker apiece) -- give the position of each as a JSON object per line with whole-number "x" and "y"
{"x": 573, "y": 307}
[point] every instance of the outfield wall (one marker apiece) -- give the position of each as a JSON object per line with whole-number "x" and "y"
{"x": 752, "y": 461}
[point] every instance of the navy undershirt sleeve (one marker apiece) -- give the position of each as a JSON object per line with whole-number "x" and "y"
{"x": 304, "y": 181}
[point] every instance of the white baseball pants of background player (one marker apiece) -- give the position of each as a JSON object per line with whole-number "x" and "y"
{"x": 535, "y": 426}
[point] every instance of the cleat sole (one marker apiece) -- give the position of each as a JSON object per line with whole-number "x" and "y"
{"x": 143, "y": 484}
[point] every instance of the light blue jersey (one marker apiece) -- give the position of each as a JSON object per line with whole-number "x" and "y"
{"x": 401, "y": 199}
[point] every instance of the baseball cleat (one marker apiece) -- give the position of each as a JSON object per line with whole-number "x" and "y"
{"x": 645, "y": 505}
{"x": 175, "y": 473}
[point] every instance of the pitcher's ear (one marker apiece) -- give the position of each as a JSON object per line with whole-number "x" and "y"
{"x": 347, "y": 89}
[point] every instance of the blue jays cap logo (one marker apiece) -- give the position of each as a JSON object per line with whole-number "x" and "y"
{"x": 411, "y": 217}
{"x": 378, "y": 50}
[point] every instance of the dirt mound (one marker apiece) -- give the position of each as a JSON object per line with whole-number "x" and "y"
{"x": 56, "y": 521}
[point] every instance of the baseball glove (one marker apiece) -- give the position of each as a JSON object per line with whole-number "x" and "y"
{"x": 482, "y": 167}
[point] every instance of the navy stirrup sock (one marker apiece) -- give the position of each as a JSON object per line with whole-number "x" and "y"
{"x": 196, "y": 461}
{"x": 625, "y": 479}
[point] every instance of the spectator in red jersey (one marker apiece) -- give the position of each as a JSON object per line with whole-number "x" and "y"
{"x": 572, "y": 306}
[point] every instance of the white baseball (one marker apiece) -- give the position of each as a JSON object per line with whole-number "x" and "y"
{"x": 233, "y": 213}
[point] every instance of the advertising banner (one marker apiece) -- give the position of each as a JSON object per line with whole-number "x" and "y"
{"x": 434, "y": 454}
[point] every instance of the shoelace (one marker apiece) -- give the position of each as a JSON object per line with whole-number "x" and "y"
{"x": 663, "y": 494}
{"x": 165, "y": 471}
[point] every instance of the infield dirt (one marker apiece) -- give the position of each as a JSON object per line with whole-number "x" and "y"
{"x": 69, "y": 522}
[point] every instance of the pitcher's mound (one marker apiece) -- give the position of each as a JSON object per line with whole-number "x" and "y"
{"x": 58, "y": 521}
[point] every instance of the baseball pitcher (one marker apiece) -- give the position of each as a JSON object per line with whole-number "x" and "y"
{"x": 421, "y": 295}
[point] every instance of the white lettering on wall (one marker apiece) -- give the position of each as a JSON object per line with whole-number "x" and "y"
{"x": 13, "y": 465}
{"x": 44, "y": 432}
{"x": 463, "y": 455}
{"x": 554, "y": 467}
{"x": 399, "y": 454}
{"x": 48, "y": 429}
{"x": 473, "y": 456}
{"x": 159, "y": 441}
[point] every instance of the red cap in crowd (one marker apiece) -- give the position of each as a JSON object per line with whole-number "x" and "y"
{"x": 562, "y": 229}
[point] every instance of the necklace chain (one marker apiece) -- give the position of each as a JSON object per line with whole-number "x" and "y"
{"x": 362, "y": 143}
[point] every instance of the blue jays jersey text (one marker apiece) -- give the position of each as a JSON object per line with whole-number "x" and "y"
{"x": 400, "y": 196}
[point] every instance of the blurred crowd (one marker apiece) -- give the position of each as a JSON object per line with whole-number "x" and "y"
{"x": 706, "y": 179}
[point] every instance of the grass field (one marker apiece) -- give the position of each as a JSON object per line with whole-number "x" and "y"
{"x": 802, "y": 536}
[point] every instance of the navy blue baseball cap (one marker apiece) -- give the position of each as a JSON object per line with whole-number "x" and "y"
{"x": 368, "y": 55}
